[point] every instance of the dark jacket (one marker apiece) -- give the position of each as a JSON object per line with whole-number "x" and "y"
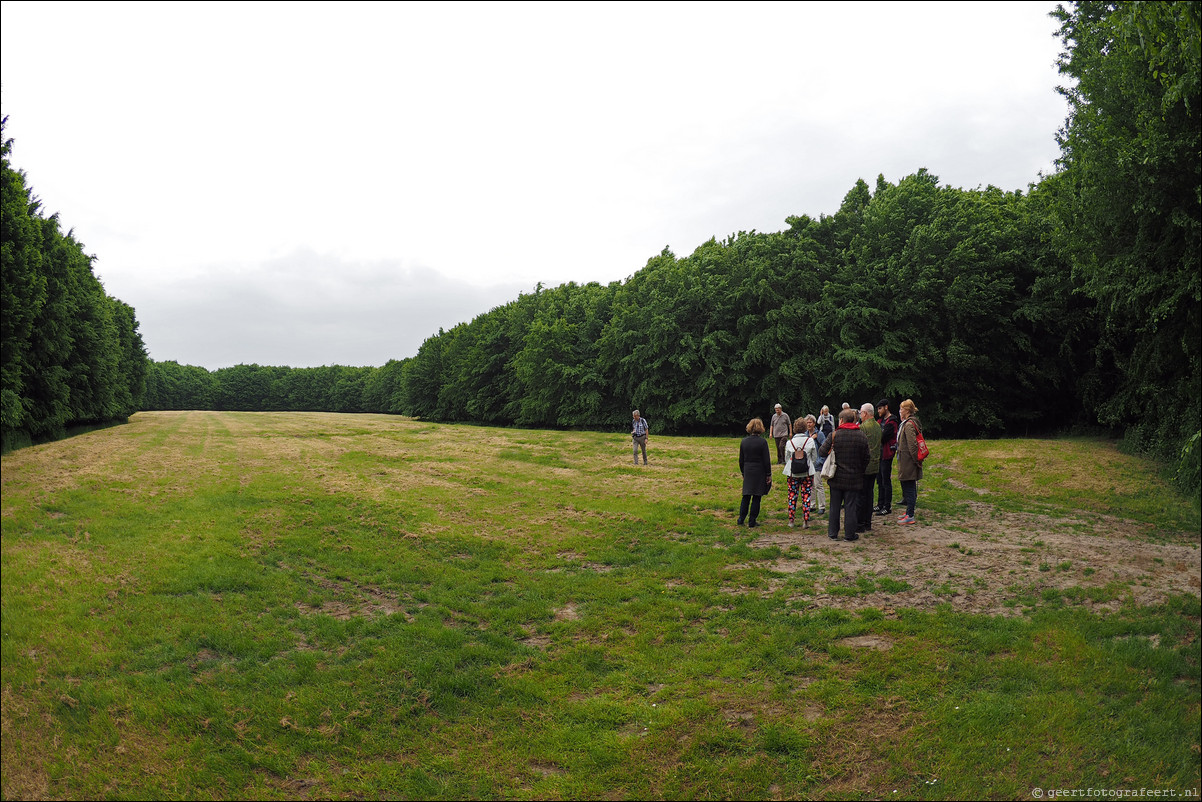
{"x": 889, "y": 436}
{"x": 755, "y": 463}
{"x": 909, "y": 469}
{"x": 851, "y": 457}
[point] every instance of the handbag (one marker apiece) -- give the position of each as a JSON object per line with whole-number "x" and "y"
{"x": 923, "y": 451}
{"x": 828, "y": 467}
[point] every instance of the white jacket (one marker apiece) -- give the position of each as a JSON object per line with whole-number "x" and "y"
{"x": 801, "y": 442}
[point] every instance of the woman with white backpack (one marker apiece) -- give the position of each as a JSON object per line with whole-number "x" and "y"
{"x": 801, "y": 452}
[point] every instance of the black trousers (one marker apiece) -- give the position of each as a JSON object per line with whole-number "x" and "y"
{"x": 754, "y": 502}
{"x": 885, "y": 494}
{"x": 864, "y": 509}
{"x": 849, "y": 500}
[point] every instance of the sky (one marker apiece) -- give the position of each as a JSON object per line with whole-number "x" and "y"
{"x": 309, "y": 184}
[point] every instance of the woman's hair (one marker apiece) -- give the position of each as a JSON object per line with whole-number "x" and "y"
{"x": 908, "y": 405}
{"x": 755, "y": 426}
{"x": 847, "y": 416}
{"x": 799, "y": 425}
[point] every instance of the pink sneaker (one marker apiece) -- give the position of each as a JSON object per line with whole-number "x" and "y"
{"x": 906, "y": 520}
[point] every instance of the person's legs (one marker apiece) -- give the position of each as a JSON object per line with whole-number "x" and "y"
{"x": 834, "y": 503}
{"x": 794, "y": 485}
{"x": 851, "y": 518}
{"x": 910, "y": 496}
{"x": 885, "y": 480}
{"x": 635, "y": 440}
{"x": 807, "y": 485}
{"x": 820, "y": 492}
{"x": 864, "y": 509}
{"x": 780, "y": 450}
{"x": 743, "y": 509}
{"x": 755, "y": 511}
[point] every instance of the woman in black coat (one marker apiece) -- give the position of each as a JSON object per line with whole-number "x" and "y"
{"x": 755, "y": 463}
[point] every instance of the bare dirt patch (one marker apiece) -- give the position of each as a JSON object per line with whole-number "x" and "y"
{"x": 874, "y": 642}
{"x": 986, "y": 561}
{"x": 567, "y": 613}
{"x": 355, "y": 601}
{"x": 536, "y": 641}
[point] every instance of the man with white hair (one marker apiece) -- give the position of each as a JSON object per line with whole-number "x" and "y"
{"x": 782, "y": 430}
{"x": 872, "y": 431}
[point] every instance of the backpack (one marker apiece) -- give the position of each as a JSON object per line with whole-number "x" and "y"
{"x": 800, "y": 464}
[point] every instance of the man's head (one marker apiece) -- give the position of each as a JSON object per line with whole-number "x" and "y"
{"x": 867, "y": 412}
{"x": 636, "y": 414}
{"x": 778, "y": 409}
{"x": 882, "y": 407}
{"x": 847, "y": 416}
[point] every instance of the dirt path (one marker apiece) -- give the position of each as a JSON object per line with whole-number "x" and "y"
{"x": 987, "y": 561}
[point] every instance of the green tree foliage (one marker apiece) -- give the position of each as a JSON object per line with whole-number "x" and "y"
{"x": 1134, "y": 206}
{"x": 170, "y": 385}
{"x": 22, "y": 293}
{"x": 942, "y": 295}
{"x": 960, "y": 299}
{"x": 71, "y": 354}
{"x": 383, "y": 390}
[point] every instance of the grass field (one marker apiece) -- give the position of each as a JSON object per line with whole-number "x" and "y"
{"x": 294, "y": 605}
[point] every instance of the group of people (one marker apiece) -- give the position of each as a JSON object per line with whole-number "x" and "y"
{"x": 862, "y": 445}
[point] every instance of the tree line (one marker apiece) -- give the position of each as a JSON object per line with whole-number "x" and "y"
{"x": 914, "y": 290}
{"x": 1075, "y": 302}
{"x": 259, "y": 388}
{"x": 70, "y": 354}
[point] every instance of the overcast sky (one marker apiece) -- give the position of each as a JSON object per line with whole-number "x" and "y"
{"x": 309, "y": 184}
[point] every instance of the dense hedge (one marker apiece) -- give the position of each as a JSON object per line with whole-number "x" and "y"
{"x": 71, "y": 355}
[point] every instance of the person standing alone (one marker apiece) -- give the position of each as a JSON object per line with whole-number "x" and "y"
{"x": 638, "y": 431}
{"x": 782, "y": 430}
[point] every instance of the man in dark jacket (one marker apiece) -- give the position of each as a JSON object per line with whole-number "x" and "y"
{"x": 889, "y": 424}
{"x": 851, "y": 460}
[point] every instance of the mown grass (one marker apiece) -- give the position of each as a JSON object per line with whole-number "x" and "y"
{"x": 1070, "y": 475}
{"x": 236, "y": 605}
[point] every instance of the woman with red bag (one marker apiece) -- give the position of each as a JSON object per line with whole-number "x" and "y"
{"x": 909, "y": 464}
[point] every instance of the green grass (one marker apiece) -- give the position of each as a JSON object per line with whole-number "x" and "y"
{"x": 1083, "y": 476}
{"x": 229, "y": 605}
